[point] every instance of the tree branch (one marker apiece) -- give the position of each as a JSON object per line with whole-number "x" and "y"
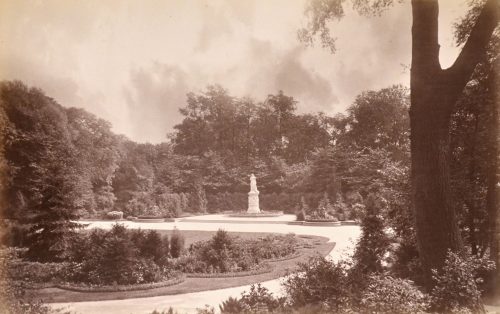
{"x": 476, "y": 44}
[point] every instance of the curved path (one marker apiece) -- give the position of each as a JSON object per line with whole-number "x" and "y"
{"x": 343, "y": 236}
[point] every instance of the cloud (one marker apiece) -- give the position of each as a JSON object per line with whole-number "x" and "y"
{"x": 154, "y": 97}
{"x": 314, "y": 91}
{"x": 63, "y": 89}
{"x": 265, "y": 69}
{"x": 132, "y": 62}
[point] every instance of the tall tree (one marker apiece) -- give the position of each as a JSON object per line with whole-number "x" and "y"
{"x": 43, "y": 190}
{"x": 97, "y": 147}
{"x": 434, "y": 92}
{"x": 380, "y": 120}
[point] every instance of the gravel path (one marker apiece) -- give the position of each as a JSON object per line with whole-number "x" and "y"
{"x": 343, "y": 236}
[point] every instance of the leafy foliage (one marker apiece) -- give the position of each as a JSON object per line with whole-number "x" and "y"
{"x": 119, "y": 256}
{"x": 456, "y": 286}
{"x": 385, "y": 294}
{"x": 225, "y": 253}
{"x": 374, "y": 243}
{"x": 12, "y": 292}
{"x": 318, "y": 281}
{"x": 176, "y": 243}
{"x": 257, "y": 300}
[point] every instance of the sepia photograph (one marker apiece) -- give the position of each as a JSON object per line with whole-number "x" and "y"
{"x": 249, "y": 156}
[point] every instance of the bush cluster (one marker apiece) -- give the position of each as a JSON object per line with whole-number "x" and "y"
{"x": 119, "y": 256}
{"x": 257, "y": 300}
{"x": 35, "y": 272}
{"x": 13, "y": 297}
{"x": 456, "y": 288}
{"x": 385, "y": 294}
{"x": 225, "y": 253}
{"x": 324, "y": 286}
{"x": 161, "y": 204}
{"x": 114, "y": 215}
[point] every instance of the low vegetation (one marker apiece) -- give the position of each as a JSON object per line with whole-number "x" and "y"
{"x": 225, "y": 253}
{"x": 323, "y": 286}
{"x": 122, "y": 257}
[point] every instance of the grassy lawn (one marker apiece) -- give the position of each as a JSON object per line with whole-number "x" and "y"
{"x": 319, "y": 245}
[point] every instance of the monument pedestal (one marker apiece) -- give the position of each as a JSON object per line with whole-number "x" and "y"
{"x": 253, "y": 197}
{"x": 253, "y": 202}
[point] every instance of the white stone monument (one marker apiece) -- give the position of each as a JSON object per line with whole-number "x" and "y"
{"x": 253, "y": 197}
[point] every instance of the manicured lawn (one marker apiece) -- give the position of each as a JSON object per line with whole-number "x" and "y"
{"x": 317, "y": 245}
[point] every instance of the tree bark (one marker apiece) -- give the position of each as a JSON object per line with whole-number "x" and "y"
{"x": 470, "y": 202}
{"x": 434, "y": 92}
{"x": 492, "y": 196}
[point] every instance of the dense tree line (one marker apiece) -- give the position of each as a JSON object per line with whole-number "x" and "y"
{"x": 64, "y": 163}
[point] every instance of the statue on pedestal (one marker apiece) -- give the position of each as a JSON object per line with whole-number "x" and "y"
{"x": 253, "y": 197}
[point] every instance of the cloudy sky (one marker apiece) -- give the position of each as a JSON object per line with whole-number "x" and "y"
{"x": 132, "y": 62}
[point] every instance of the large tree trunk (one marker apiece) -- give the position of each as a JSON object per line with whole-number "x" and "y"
{"x": 436, "y": 223}
{"x": 434, "y": 92}
{"x": 492, "y": 196}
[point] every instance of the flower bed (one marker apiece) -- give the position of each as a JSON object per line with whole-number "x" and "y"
{"x": 36, "y": 273}
{"x": 114, "y": 288}
{"x": 225, "y": 254}
{"x": 264, "y": 268}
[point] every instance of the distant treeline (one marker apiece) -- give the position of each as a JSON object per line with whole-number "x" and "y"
{"x": 205, "y": 164}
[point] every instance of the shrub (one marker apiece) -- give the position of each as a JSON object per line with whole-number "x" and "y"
{"x": 231, "y": 306}
{"x": 12, "y": 301}
{"x": 257, "y": 300}
{"x": 35, "y": 272}
{"x": 118, "y": 256}
{"x": 385, "y": 294}
{"x": 222, "y": 240}
{"x": 206, "y": 310}
{"x": 320, "y": 281}
{"x": 153, "y": 247}
{"x": 152, "y": 211}
{"x": 217, "y": 253}
{"x": 300, "y": 216}
{"x": 170, "y": 205}
{"x": 166, "y": 246}
{"x": 406, "y": 262}
{"x": 138, "y": 237}
{"x": 176, "y": 243}
{"x": 456, "y": 285}
{"x": 224, "y": 253}
{"x": 139, "y": 204}
{"x": 324, "y": 208}
{"x": 114, "y": 215}
{"x": 357, "y": 211}
{"x": 374, "y": 243}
